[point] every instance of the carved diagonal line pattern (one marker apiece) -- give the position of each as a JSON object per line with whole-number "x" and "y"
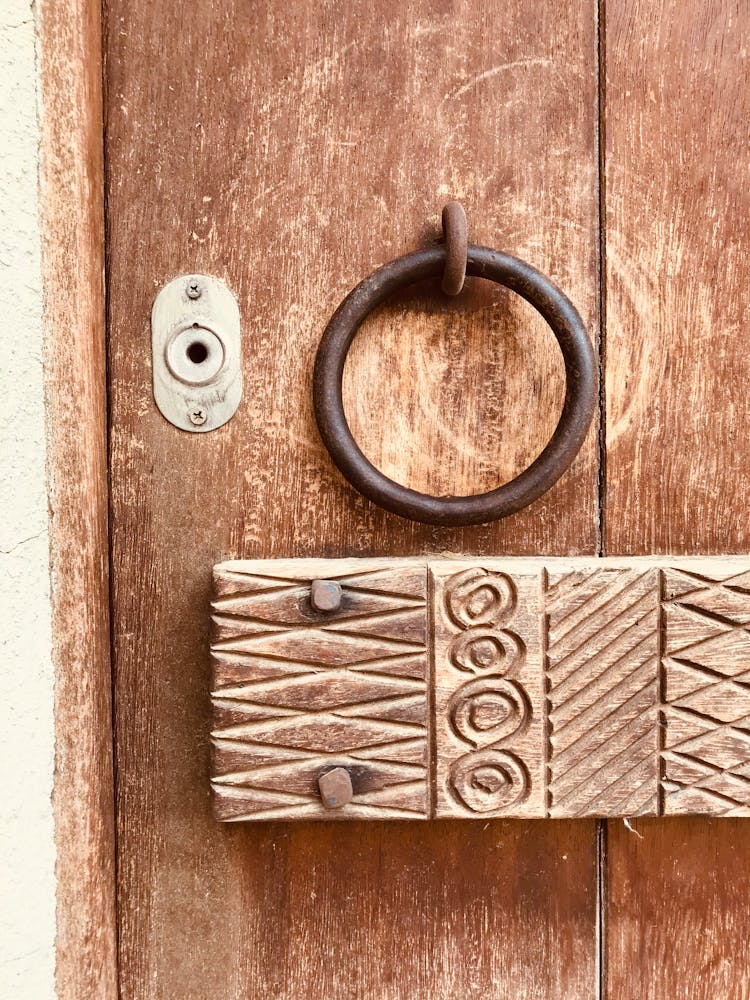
{"x": 706, "y": 756}
{"x": 602, "y": 692}
{"x": 297, "y": 691}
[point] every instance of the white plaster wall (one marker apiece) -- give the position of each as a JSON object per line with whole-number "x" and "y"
{"x": 27, "y": 855}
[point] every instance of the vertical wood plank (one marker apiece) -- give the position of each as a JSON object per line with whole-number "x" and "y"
{"x": 678, "y": 427}
{"x": 290, "y": 149}
{"x": 677, "y": 99}
{"x": 72, "y": 216}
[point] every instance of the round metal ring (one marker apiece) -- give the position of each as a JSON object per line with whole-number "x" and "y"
{"x": 577, "y": 411}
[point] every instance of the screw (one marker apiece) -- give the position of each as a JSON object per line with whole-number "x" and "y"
{"x": 193, "y": 289}
{"x": 197, "y": 416}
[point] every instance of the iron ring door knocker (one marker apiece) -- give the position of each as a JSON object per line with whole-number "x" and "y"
{"x": 449, "y": 261}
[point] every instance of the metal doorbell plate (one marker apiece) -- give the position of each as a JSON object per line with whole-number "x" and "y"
{"x": 195, "y": 339}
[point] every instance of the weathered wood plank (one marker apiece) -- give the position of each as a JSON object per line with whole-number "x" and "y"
{"x": 72, "y": 229}
{"x": 677, "y": 103}
{"x": 560, "y": 687}
{"x": 677, "y": 894}
{"x": 290, "y": 149}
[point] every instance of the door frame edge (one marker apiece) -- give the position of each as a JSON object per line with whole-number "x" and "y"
{"x": 72, "y": 236}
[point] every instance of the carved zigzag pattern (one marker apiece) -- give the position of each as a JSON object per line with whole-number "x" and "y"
{"x": 706, "y": 755}
{"x": 296, "y": 691}
{"x": 602, "y": 692}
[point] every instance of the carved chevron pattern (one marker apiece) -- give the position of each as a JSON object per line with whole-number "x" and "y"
{"x": 297, "y": 691}
{"x": 602, "y": 692}
{"x": 706, "y": 757}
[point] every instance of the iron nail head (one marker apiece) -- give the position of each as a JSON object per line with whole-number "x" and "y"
{"x": 325, "y": 595}
{"x": 336, "y": 788}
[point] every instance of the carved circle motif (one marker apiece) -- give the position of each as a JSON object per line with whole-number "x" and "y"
{"x": 486, "y": 781}
{"x": 478, "y": 597}
{"x": 489, "y": 711}
{"x": 478, "y": 650}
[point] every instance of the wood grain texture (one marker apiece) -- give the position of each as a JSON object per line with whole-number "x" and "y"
{"x": 559, "y": 687}
{"x": 72, "y": 224}
{"x": 290, "y": 149}
{"x": 677, "y": 909}
{"x": 677, "y": 232}
{"x": 678, "y": 458}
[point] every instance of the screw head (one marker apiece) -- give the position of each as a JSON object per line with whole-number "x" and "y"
{"x": 197, "y": 416}
{"x": 193, "y": 289}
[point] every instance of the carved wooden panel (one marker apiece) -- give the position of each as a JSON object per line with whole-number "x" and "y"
{"x": 298, "y": 692}
{"x": 706, "y": 709}
{"x": 559, "y": 687}
{"x": 489, "y": 691}
{"x": 601, "y": 629}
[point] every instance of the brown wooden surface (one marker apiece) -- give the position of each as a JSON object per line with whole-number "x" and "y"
{"x": 291, "y": 148}
{"x": 296, "y": 691}
{"x": 678, "y": 430}
{"x": 602, "y": 682}
{"x": 563, "y": 687}
{"x": 488, "y": 691}
{"x": 72, "y": 224}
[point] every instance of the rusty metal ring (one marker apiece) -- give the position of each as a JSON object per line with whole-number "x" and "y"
{"x": 575, "y": 418}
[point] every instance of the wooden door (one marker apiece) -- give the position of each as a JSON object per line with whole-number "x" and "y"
{"x": 290, "y": 148}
